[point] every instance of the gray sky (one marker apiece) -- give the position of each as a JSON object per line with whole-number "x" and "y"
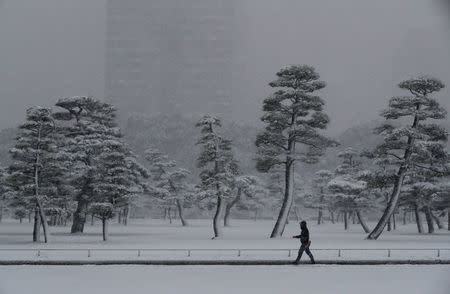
{"x": 362, "y": 48}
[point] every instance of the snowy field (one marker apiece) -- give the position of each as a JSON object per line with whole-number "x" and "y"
{"x": 243, "y": 234}
{"x": 226, "y": 279}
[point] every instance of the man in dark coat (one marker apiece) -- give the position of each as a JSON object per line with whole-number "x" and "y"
{"x": 304, "y": 239}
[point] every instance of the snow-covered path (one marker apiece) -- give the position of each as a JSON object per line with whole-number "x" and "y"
{"x": 148, "y": 234}
{"x": 315, "y": 279}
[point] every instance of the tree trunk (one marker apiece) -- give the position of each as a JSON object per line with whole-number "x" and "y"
{"x": 287, "y": 202}
{"x": 319, "y": 217}
{"x": 394, "y": 222}
{"x": 92, "y": 219}
{"x": 119, "y": 216}
{"x": 438, "y": 221}
{"x": 389, "y": 225}
{"x": 448, "y": 219}
{"x": 418, "y": 219}
{"x": 184, "y": 223}
{"x": 43, "y": 221}
{"x": 297, "y": 217}
{"x": 169, "y": 214}
{"x": 429, "y": 219}
{"x": 332, "y": 216}
{"x": 404, "y": 217}
{"x": 217, "y": 217}
{"x": 105, "y": 229}
{"x": 345, "y": 220}
{"x": 37, "y": 226}
{"x": 126, "y": 216}
{"x": 362, "y": 222}
{"x": 1, "y": 210}
{"x": 79, "y": 217}
{"x": 256, "y": 214}
{"x": 29, "y": 217}
{"x": 165, "y": 213}
{"x": 20, "y": 220}
{"x": 229, "y": 206}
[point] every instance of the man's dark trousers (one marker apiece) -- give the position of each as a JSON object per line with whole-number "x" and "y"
{"x": 304, "y": 248}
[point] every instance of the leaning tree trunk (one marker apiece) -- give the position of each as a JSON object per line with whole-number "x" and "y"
{"x": 393, "y": 199}
{"x": 438, "y": 221}
{"x": 79, "y": 217}
{"x": 184, "y": 223}
{"x": 36, "y": 226}
{"x": 429, "y": 219}
{"x": 229, "y": 206}
{"x": 418, "y": 219}
{"x": 217, "y": 217}
{"x": 362, "y": 222}
{"x": 287, "y": 201}
{"x": 105, "y": 229}
{"x": 389, "y": 224}
{"x": 43, "y": 221}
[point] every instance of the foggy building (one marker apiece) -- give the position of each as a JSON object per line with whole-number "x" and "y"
{"x": 166, "y": 56}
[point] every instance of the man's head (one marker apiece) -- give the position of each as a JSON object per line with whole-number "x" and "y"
{"x": 303, "y": 224}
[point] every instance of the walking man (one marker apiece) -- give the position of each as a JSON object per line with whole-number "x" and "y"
{"x": 304, "y": 239}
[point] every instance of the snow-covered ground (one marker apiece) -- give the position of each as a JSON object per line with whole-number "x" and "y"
{"x": 159, "y": 234}
{"x": 226, "y": 279}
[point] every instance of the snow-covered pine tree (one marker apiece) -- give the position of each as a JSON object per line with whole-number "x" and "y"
{"x": 86, "y": 123}
{"x": 3, "y": 191}
{"x": 32, "y": 173}
{"x": 319, "y": 199}
{"x": 418, "y": 144}
{"x": 218, "y": 167}
{"x": 346, "y": 187}
{"x": 117, "y": 181}
{"x": 169, "y": 184}
{"x": 293, "y": 117}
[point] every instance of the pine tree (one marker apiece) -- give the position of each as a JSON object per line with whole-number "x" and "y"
{"x": 319, "y": 199}
{"x": 293, "y": 117}
{"x": 86, "y": 124}
{"x": 348, "y": 188}
{"x": 218, "y": 167}
{"x": 32, "y": 173}
{"x": 3, "y": 191}
{"x": 170, "y": 185}
{"x": 417, "y": 145}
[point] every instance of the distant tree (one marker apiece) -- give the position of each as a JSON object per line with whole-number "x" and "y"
{"x": 348, "y": 189}
{"x": 20, "y": 214}
{"x": 218, "y": 167}
{"x": 3, "y": 191}
{"x": 32, "y": 175}
{"x": 418, "y": 145}
{"x": 293, "y": 116}
{"x": 247, "y": 189}
{"x": 319, "y": 198}
{"x": 104, "y": 211}
{"x": 169, "y": 184}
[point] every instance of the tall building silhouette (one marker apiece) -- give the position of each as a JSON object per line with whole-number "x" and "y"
{"x": 166, "y": 56}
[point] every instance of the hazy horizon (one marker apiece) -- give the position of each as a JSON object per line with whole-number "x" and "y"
{"x": 362, "y": 49}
